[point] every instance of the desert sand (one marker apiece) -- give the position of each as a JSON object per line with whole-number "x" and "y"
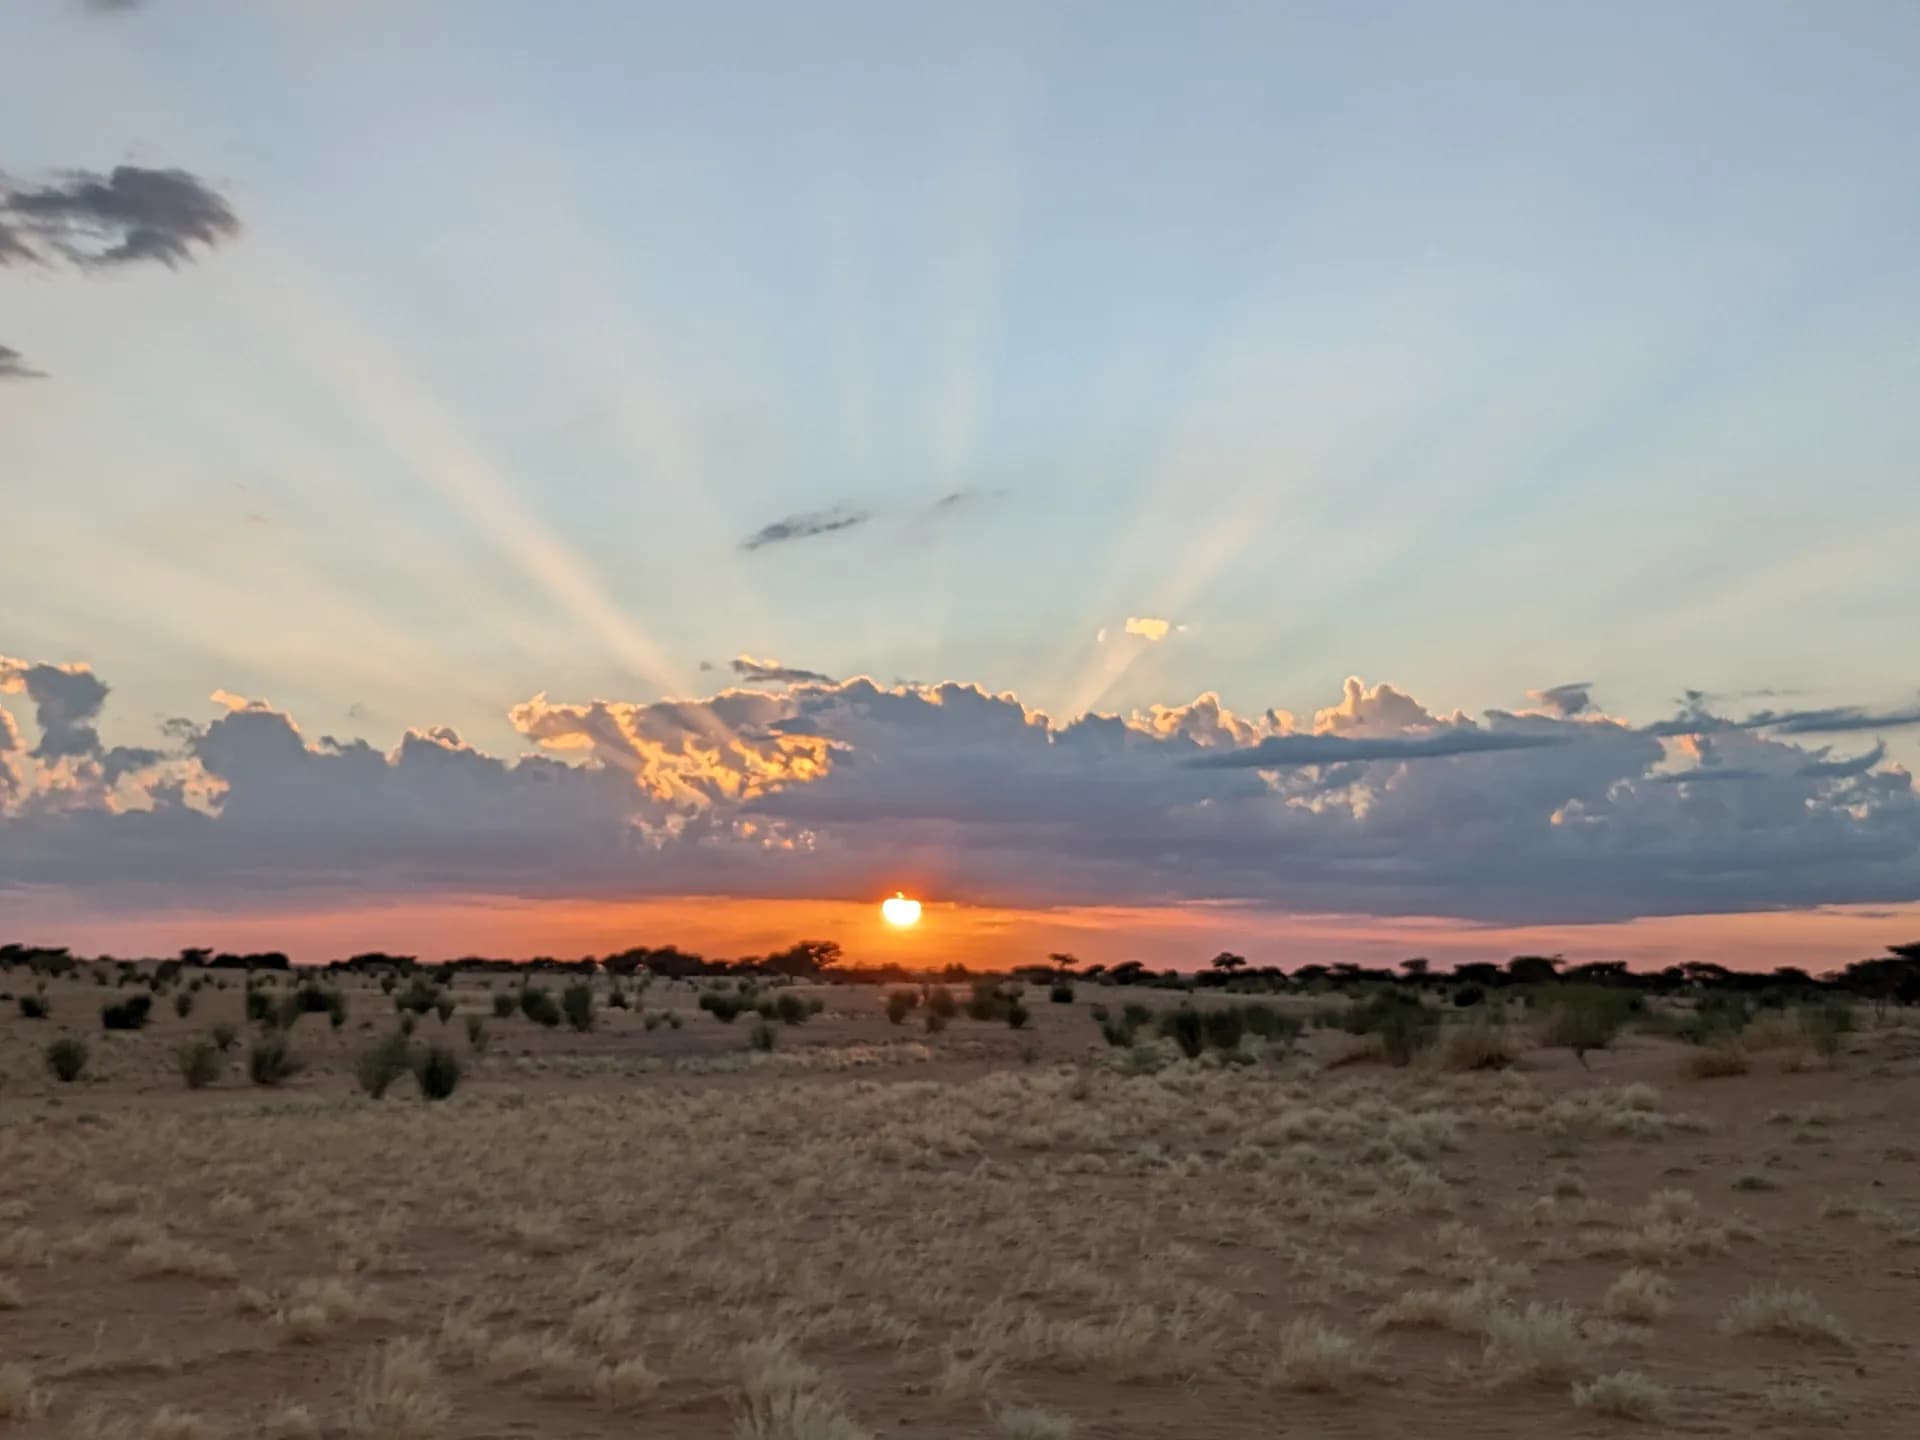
{"x": 875, "y": 1230}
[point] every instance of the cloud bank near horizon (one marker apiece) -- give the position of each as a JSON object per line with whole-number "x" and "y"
{"x": 1375, "y": 805}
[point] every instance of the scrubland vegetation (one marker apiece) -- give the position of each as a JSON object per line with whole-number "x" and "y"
{"x": 392, "y": 1201}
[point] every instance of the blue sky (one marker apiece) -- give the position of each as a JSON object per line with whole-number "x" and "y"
{"x": 1473, "y": 349}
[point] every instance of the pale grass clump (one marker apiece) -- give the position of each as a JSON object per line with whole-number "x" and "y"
{"x": 1480, "y": 1045}
{"x": 1625, "y": 1395}
{"x": 626, "y": 1383}
{"x": 1464, "y": 1312}
{"x": 1719, "y": 1060}
{"x": 11, "y": 1295}
{"x": 400, "y": 1396}
{"x": 548, "y": 1359}
{"x": 603, "y": 1324}
{"x": 464, "y": 1336}
{"x": 1541, "y": 1342}
{"x": 23, "y": 1245}
{"x": 1024, "y": 1422}
{"x": 1318, "y": 1359}
{"x": 290, "y": 1422}
{"x": 107, "y": 1198}
{"x": 1776, "y": 1310}
{"x": 163, "y": 1256}
{"x": 783, "y": 1398}
{"x": 1639, "y": 1296}
{"x": 318, "y": 1307}
{"x": 967, "y": 1377}
{"x": 20, "y": 1397}
{"x": 167, "y": 1423}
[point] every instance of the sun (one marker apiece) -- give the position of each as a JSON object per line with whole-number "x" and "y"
{"x": 897, "y": 910}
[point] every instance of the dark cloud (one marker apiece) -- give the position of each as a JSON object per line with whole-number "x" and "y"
{"x": 1696, "y": 719}
{"x": 111, "y": 7}
{"x": 1571, "y": 699}
{"x": 804, "y": 526}
{"x": 125, "y": 217}
{"x": 1280, "y": 751}
{"x": 13, "y": 366}
{"x": 816, "y": 789}
{"x": 763, "y": 672}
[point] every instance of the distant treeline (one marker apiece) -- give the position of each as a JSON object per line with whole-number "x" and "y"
{"x": 1890, "y": 978}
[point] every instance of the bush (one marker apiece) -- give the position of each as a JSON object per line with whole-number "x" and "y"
{"x": 577, "y": 1002}
{"x": 1478, "y": 1045}
{"x": 35, "y": 1007}
{"x": 1827, "y": 1025}
{"x": 1116, "y": 1033}
{"x": 443, "y": 1007}
{"x": 1136, "y": 1015}
{"x": 1017, "y": 1015}
{"x": 225, "y": 1037}
{"x": 900, "y": 1004}
{"x": 381, "y": 1064}
{"x": 935, "y": 1020}
{"x": 791, "y": 1009}
{"x": 722, "y": 1006}
{"x": 407, "y": 1022}
{"x": 1270, "y": 1023}
{"x": 616, "y": 999}
{"x": 271, "y": 1061}
{"x": 259, "y": 1006}
{"x": 1715, "y": 1017}
{"x": 1185, "y": 1028}
{"x": 1586, "y": 1017}
{"x": 387, "y": 982}
{"x": 654, "y": 1019}
{"x": 1467, "y": 996}
{"x": 437, "y": 1073}
{"x": 1720, "y": 1058}
{"x": 940, "y": 1002}
{"x": 1224, "y": 1027}
{"x": 476, "y": 1034}
{"x": 538, "y": 1006}
{"x": 763, "y": 1036}
{"x": 127, "y": 1014}
{"x": 420, "y": 996}
{"x": 199, "y": 1063}
{"x": 504, "y": 1005}
{"x": 183, "y": 1004}
{"x": 1398, "y": 1020}
{"x": 67, "y": 1059}
{"x": 1061, "y": 993}
{"x": 986, "y": 1002}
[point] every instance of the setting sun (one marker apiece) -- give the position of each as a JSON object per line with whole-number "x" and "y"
{"x": 900, "y": 911}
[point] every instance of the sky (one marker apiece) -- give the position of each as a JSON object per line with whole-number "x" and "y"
{"x": 1318, "y": 481}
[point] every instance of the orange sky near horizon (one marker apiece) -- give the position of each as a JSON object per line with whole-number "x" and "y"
{"x": 1169, "y": 937}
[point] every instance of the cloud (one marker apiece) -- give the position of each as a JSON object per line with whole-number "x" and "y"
{"x": 763, "y": 672}
{"x": 1378, "y": 806}
{"x": 13, "y": 366}
{"x": 804, "y": 526}
{"x": 1147, "y": 627}
{"x": 1839, "y": 720}
{"x": 1566, "y": 700}
{"x": 129, "y": 215}
{"x": 111, "y": 7}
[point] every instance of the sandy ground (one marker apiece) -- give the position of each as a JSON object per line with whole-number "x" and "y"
{"x": 873, "y": 1230}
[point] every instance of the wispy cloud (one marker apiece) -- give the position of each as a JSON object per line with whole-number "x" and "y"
{"x": 805, "y": 525}
{"x": 1571, "y": 699}
{"x": 772, "y": 672}
{"x": 13, "y": 366}
{"x": 125, "y": 217}
{"x": 1283, "y": 751}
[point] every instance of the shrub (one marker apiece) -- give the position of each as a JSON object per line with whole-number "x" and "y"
{"x": 437, "y": 1073}
{"x": 936, "y": 1021}
{"x": 225, "y": 1036}
{"x": 383, "y": 1063}
{"x": 1827, "y": 1025}
{"x": 1715, "y": 1017}
{"x": 763, "y": 1036}
{"x": 900, "y": 1004}
{"x": 259, "y": 1006}
{"x": 577, "y": 1002}
{"x": 271, "y": 1061}
{"x": 1480, "y": 1045}
{"x": 940, "y": 1002}
{"x": 406, "y": 1023}
{"x": 183, "y": 1004}
{"x": 1136, "y": 1015}
{"x": 792, "y": 1010}
{"x": 35, "y": 1007}
{"x": 443, "y": 1007}
{"x": 654, "y": 1019}
{"x": 1224, "y": 1027}
{"x": 67, "y": 1059}
{"x": 420, "y": 996}
{"x": 504, "y": 1005}
{"x": 538, "y": 1006}
{"x": 476, "y": 1034}
{"x": 1117, "y": 1033}
{"x": 1586, "y": 1017}
{"x": 1398, "y": 1020}
{"x": 128, "y": 1014}
{"x": 616, "y": 999}
{"x": 1061, "y": 993}
{"x": 1017, "y": 1015}
{"x": 1466, "y": 996}
{"x": 199, "y": 1062}
{"x": 387, "y": 982}
{"x": 722, "y": 1006}
{"x": 1270, "y": 1022}
{"x": 1185, "y": 1028}
{"x": 1723, "y": 1057}
{"x": 986, "y": 1003}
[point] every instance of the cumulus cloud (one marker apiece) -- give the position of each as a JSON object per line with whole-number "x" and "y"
{"x": 124, "y": 217}
{"x": 13, "y": 366}
{"x": 772, "y": 672}
{"x": 806, "y": 525}
{"x": 1377, "y": 805}
{"x": 1147, "y": 627}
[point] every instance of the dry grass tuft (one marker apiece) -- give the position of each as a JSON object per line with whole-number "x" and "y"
{"x": 1316, "y": 1358}
{"x": 163, "y": 1256}
{"x": 1776, "y": 1310}
{"x": 400, "y": 1396}
{"x": 1027, "y": 1423}
{"x": 11, "y": 1296}
{"x": 1719, "y": 1060}
{"x": 317, "y": 1308}
{"x": 1639, "y": 1296}
{"x": 1625, "y": 1395}
{"x": 290, "y": 1422}
{"x": 1464, "y": 1312}
{"x": 20, "y": 1398}
{"x": 1541, "y": 1342}
{"x": 1477, "y": 1046}
{"x": 626, "y": 1383}
{"x": 783, "y": 1398}
{"x": 167, "y": 1423}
